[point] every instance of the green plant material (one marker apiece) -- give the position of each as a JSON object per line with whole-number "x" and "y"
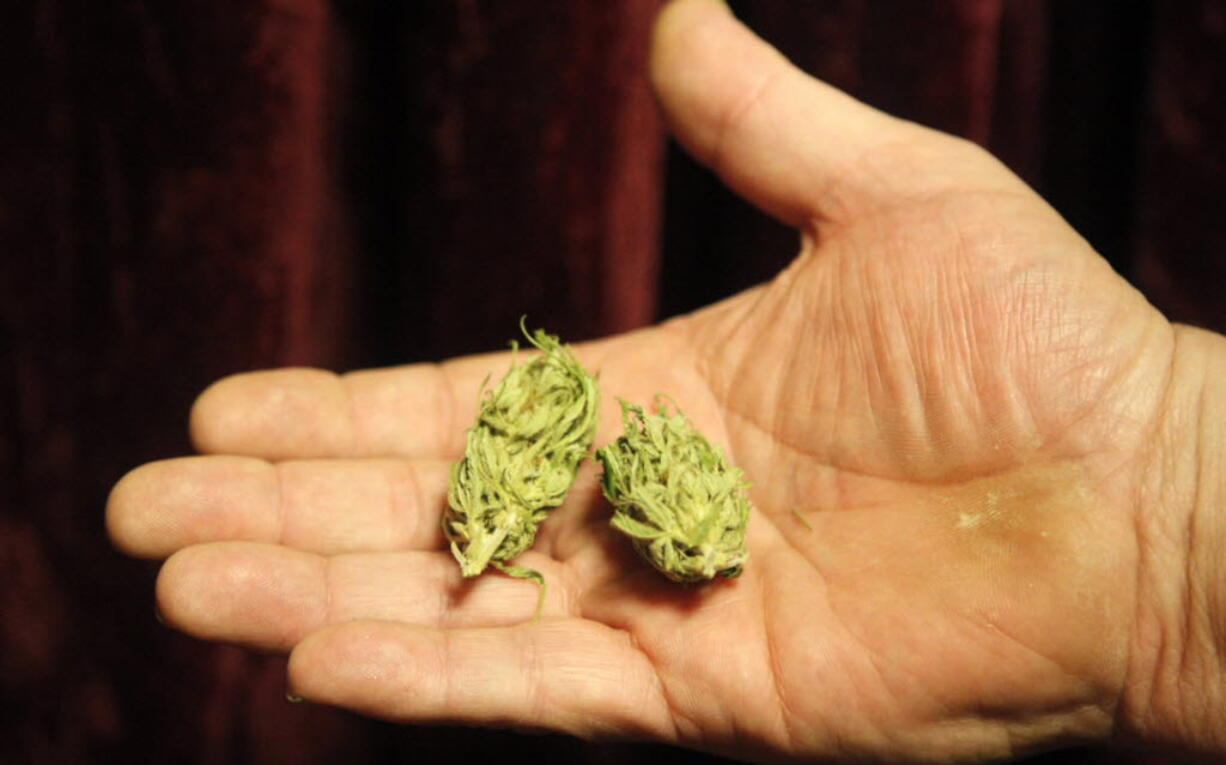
{"x": 675, "y": 496}
{"x": 522, "y": 455}
{"x": 803, "y": 520}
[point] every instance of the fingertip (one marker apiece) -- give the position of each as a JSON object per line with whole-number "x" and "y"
{"x": 280, "y": 413}
{"x": 126, "y": 528}
{"x": 361, "y": 665}
{"x": 173, "y": 580}
{"x": 160, "y": 507}
{"x": 687, "y": 36}
{"x": 192, "y": 595}
{"x": 142, "y": 509}
{"x": 247, "y": 593}
{"x": 209, "y": 415}
{"x": 741, "y": 108}
{"x": 799, "y": 148}
{"x": 312, "y": 661}
{"x": 677, "y": 15}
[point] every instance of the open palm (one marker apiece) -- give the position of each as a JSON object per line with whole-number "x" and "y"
{"x": 940, "y": 404}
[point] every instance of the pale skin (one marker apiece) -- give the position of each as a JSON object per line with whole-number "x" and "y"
{"x": 1006, "y": 456}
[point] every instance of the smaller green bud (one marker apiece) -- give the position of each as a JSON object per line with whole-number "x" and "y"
{"x": 675, "y": 496}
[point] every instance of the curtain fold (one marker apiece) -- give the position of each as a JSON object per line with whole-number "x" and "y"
{"x": 534, "y": 150}
{"x": 167, "y": 216}
{"x": 1181, "y": 233}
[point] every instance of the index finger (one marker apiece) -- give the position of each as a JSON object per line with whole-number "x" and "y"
{"x": 417, "y": 411}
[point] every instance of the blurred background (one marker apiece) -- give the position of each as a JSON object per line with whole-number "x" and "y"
{"x": 192, "y": 188}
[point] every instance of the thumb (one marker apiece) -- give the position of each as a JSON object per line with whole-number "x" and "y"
{"x": 798, "y": 148}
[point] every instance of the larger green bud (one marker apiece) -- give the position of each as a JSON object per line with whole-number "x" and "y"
{"x": 521, "y": 458}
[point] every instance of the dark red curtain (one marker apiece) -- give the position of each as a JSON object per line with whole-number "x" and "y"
{"x": 190, "y": 188}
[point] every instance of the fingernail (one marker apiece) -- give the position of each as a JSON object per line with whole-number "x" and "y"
{"x": 291, "y": 698}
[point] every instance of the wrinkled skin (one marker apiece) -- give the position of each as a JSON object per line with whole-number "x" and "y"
{"x": 948, "y": 385}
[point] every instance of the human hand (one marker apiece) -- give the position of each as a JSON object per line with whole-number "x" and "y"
{"x": 964, "y": 402}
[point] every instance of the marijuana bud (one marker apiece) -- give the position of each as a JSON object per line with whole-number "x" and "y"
{"x": 521, "y": 458}
{"x": 675, "y": 496}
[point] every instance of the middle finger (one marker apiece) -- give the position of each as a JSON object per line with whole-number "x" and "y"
{"x": 319, "y": 506}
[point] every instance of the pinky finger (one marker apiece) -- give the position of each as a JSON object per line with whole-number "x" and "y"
{"x": 568, "y": 675}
